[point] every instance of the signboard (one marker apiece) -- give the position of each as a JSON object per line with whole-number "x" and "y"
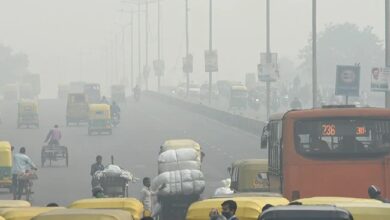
{"x": 211, "y": 61}
{"x": 188, "y": 63}
{"x": 379, "y": 79}
{"x": 347, "y": 80}
{"x": 268, "y": 69}
{"x": 159, "y": 67}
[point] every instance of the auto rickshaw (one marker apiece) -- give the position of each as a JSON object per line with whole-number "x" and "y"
{"x": 14, "y": 204}
{"x": 118, "y": 93}
{"x": 334, "y": 200}
{"x": 238, "y": 97}
{"x": 249, "y": 175}
{"x": 25, "y": 213}
{"x": 131, "y": 205}
{"x": 76, "y": 109}
{"x": 99, "y": 119}
{"x": 249, "y": 208}
{"x": 367, "y": 211}
{"x": 84, "y": 214}
{"x": 179, "y": 144}
{"x": 5, "y": 165}
{"x": 28, "y": 113}
{"x": 306, "y": 213}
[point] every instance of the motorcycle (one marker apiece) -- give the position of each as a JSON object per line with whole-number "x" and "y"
{"x": 115, "y": 119}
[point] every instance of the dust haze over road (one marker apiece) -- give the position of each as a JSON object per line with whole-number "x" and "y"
{"x": 134, "y": 145}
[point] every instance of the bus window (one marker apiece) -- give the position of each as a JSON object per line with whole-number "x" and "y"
{"x": 342, "y": 137}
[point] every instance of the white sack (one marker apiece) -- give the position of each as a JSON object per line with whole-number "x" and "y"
{"x": 181, "y": 182}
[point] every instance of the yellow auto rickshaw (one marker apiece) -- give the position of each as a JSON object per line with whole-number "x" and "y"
{"x": 334, "y": 200}
{"x": 99, "y": 119}
{"x": 25, "y": 213}
{"x": 5, "y": 165}
{"x": 28, "y": 113}
{"x": 249, "y": 175}
{"x": 76, "y": 109}
{"x": 14, "y": 204}
{"x": 175, "y": 144}
{"x": 367, "y": 211}
{"x": 84, "y": 214}
{"x": 249, "y": 208}
{"x": 131, "y": 205}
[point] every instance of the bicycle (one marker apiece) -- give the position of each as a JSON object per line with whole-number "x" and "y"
{"x": 24, "y": 185}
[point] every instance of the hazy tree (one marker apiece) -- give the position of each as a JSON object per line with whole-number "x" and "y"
{"x": 343, "y": 44}
{"x": 12, "y": 65}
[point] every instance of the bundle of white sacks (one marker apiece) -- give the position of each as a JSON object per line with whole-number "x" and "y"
{"x": 180, "y": 171}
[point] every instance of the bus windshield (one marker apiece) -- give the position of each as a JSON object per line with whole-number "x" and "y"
{"x": 342, "y": 137}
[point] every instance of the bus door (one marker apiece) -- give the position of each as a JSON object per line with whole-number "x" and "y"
{"x": 273, "y": 136}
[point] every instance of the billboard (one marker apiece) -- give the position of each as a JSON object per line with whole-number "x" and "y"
{"x": 379, "y": 79}
{"x": 268, "y": 69}
{"x": 347, "y": 80}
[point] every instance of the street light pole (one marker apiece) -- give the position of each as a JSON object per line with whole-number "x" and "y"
{"x": 187, "y": 49}
{"x": 132, "y": 52}
{"x": 146, "y": 44}
{"x": 211, "y": 47}
{"x": 387, "y": 46}
{"x": 269, "y": 57}
{"x": 158, "y": 44}
{"x": 314, "y": 52}
{"x": 139, "y": 42}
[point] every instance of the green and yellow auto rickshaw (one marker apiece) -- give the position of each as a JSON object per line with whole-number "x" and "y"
{"x": 5, "y": 165}
{"x": 28, "y": 113}
{"x": 249, "y": 175}
{"x": 99, "y": 119}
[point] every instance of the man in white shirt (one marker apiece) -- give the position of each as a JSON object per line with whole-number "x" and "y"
{"x": 21, "y": 164}
{"x": 148, "y": 197}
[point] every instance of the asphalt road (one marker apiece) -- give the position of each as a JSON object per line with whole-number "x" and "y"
{"x": 134, "y": 145}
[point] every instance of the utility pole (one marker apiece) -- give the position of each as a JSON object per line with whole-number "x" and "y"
{"x": 139, "y": 42}
{"x": 187, "y": 50}
{"x": 123, "y": 55}
{"x": 211, "y": 47}
{"x": 387, "y": 46}
{"x": 314, "y": 52}
{"x": 146, "y": 68}
{"x": 158, "y": 44}
{"x": 269, "y": 58}
{"x": 132, "y": 52}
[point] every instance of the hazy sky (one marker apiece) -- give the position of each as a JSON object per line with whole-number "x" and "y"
{"x": 73, "y": 39}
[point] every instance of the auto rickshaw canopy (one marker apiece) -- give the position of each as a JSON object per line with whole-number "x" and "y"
{"x": 25, "y": 213}
{"x": 84, "y": 214}
{"x": 367, "y": 211}
{"x": 5, "y": 154}
{"x": 248, "y": 208}
{"x": 14, "y": 204}
{"x": 250, "y": 175}
{"x": 334, "y": 200}
{"x": 27, "y": 106}
{"x": 304, "y": 212}
{"x": 99, "y": 111}
{"x": 131, "y": 205}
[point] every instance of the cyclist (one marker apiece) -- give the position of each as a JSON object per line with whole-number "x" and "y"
{"x": 21, "y": 165}
{"x": 54, "y": 136}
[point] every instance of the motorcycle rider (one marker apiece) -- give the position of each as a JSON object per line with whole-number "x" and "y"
{"x": 137, "y": 92}
{"x": 115, "y": 110}
{"x": 54, "y": 136}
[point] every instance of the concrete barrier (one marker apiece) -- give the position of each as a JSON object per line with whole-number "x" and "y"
{"x": 247, "y": 124}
